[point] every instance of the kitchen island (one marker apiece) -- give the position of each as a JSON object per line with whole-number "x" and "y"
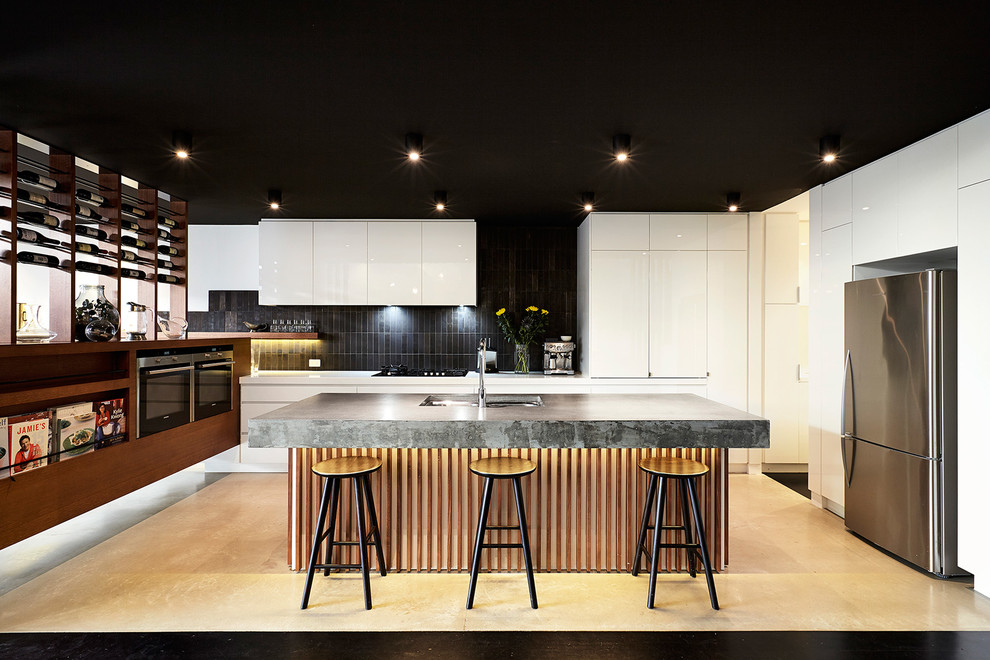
{"x": 585, "y": 498}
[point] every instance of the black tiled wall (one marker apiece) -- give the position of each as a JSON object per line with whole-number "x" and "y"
{"x": 517, "y": 267}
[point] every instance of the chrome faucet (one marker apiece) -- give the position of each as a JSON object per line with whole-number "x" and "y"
{"x": 482, "y": 360}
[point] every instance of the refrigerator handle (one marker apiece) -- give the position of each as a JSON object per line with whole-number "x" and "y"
{"x": 846, "y": 464}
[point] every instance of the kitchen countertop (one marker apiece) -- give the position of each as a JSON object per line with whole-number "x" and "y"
{"x": 565, "y": 421}
{"x": 436, "y": 382}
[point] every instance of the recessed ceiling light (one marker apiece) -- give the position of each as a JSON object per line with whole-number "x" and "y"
{"x": 414, "y": 146}
{"x": 828, "y": 148}
{"x": 620, "y": 146}
{"x": 732, "y": 201}
{"x": 275, "y": 198}
{"x": 588, "y": 201}
{"x": 181, "y": 144}
{"x": 440, "y": 199}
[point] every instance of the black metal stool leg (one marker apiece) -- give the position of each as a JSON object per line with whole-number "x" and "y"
{"x": 479, "y": 538}
{"x": 701, "y": 542}
{"x": 651, "y": 491}
{"x": 331, "y": 523}
{"x": 324, "y": 501}
{"x": 375, "y": 532}
{"x": 521, "y": 513}
{"x": 657, "y": 533}
{"x": 362, "y": 542}
{"x": 686, "y": 518}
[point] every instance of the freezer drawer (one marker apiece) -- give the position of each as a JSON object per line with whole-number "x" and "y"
{"x": 897, "y": 501}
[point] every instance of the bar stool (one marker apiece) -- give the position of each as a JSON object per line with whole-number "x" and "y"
{"x": 501, "y": 467}
{"x": 334, "y": 470}
{"x": 685, "y": 471}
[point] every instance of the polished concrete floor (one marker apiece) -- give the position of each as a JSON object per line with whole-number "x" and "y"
{"x": 200, "y": 553}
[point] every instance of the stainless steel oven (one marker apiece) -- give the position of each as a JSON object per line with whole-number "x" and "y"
{"x": 213, "y": 382}
{"x": 164, "y": 391}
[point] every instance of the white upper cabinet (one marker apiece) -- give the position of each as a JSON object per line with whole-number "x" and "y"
{"x": 678, "y": 231}
{"x": 837, "y": 202}
{"x": 874, "y": 210}
{"x": 340, "y": 263}
{"x": 620, "y": 231}
{"x": 678, "y": 314}
{"x": 781, "y": 258}
{"x": 927, "y": 194}
{"x": 286, "y": 254}
{"x": 449, "y": 263}
{"x": 395, "y": 263}
{"x": 728, "y": 231}
{"x": 974, "y": 150}
{"x": 619, "y": 291}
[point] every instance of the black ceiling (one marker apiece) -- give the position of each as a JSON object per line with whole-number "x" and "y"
{"x": 517, "y": 101}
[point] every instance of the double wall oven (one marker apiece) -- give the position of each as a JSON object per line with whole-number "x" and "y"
{"x": 178, "y": 386}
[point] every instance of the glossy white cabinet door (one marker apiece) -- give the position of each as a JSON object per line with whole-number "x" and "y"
{"x": 781, "y": 258}
{"x": 974, "y": 150}
{"x": 837, "y": 202}
{"x": 785, "y": 397}
{"x": 286, "y": 254}
{"x": 619, "y": 314}
{"x": 395, "y": 263}
{"x": 678, "y": 231}
{"x": 449, "y": 263}
{"x": 728, "y": 231}
{"x": 727, "y": 327}
{"x": 340, "y": 263}
{"x": 927, "y": 194}
{"x": 837, "y": 261}
{"x": 620, "y": 231}
{"x": 875, "y": 192}
{"x": 678, "y": 314}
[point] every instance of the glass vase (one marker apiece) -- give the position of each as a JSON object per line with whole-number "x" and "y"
{"x": 96, "y": 317}
{"x": 522, "y": 358}
{"x": 29, "y": 328}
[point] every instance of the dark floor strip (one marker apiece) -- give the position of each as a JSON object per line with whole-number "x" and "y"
{"x": 770, "y": 645}
{"x": 796, "y": 481}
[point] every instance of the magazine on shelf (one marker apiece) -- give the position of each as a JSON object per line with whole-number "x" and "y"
{"x": 110, "y": 422}
{"x": 28, "y": 441}
{"x": 73, "y": 431}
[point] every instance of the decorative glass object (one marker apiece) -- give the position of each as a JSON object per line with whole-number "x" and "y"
{"x": 522, "y": 358}
{"x": 136, "y": 321}
{"x": 29, "y": 328}
{"x": 96, "y": 318}
{"x": 173, "y": 328}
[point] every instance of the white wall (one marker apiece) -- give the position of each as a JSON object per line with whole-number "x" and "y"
{"x": 221, "y": 258}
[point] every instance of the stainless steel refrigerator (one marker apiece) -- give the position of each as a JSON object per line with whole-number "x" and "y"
{"x": 899, "y": 416}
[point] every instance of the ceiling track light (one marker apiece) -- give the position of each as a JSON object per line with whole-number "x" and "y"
{"x": 732, "y": 201}
{"x": 274, "y": 198}
{"x": 588, "y": 201}
{"x": 828, "y": 148}
{"x": 440, "y": 199}
{"x": 181, "y": 144}
{"x": 414, "y": 146}
{"x": 620, "y": 146}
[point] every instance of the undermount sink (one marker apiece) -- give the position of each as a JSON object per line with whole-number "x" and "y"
{"x": 491, "y": 401}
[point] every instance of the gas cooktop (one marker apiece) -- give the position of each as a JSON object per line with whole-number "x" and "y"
{"x": 403, "y": 370}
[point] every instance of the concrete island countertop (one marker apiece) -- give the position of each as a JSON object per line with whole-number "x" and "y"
{"x": 564, "y": 421}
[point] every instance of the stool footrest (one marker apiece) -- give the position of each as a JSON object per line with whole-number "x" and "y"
{"x": 501, "y": 545}
{"x": 500, "y": 528}
{"x": 324, "y": 567}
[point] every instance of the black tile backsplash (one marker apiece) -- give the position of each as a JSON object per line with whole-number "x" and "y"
{"x": 517, "y": 267}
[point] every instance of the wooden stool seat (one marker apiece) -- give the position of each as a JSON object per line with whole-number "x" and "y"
{"x": 684, "y": 471}
{"x": 334, "y": 470}
{"x": 344, "y": 467}
{"x": 501, "y": 467}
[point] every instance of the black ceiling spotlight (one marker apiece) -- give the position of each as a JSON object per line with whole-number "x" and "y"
{"x": 414, "y": 145}
{"x": 181, "y": 144}
{"x": 620, "y": 146}
{"x": 588, "y": 201}
{"x": 828, "y": 148}
{"x": 440, "y": 199}
{"x": 732, "y": 201}
{"x": 274, "y": 198}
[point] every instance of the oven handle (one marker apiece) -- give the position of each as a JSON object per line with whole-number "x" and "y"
{"x": 149, "y": 372}
{"x": 213, "y": 365}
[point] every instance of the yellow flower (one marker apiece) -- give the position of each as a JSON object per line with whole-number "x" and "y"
{"x": 532, "y": 308}
{"x": 544, "y": 312}
{"x": 500, "y": 312}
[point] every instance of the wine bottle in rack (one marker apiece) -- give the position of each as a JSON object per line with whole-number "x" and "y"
{"x": 169, "y": 250}
{"x": 130, "y": 241}
{"x": 31, "y": 236}
{"x": 133, "y": 273}
{"x": 129, "y": 225}
{"x": 168, "y": 279}
{"x": 166, "y": 264}
{"x": 34, "y": 197}
{"x": 37, "y": 179}
{"x": 40, "y": 259}
{"x": 90, "y": 267}
{"x": 90, "y": 196}
{"x": 163, "y": 235}
{"x": 86, "y": 213}
{"x": 133, "y": 210}
{"x": 166, "y": 221}
{"x": 128, "y": 256}
{"x": 87, "y": 248}
{"x": 91, "y": 232}
{"x": 37, "y": 218}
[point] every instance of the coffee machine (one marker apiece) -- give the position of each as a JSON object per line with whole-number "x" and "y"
{"x": 558, "y": 357}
